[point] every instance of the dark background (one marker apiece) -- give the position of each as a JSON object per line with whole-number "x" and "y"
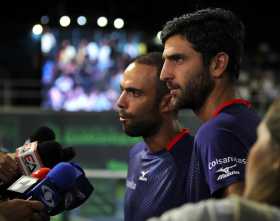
{"x": 19, "y": 57}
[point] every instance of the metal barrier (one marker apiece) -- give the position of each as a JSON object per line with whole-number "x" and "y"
{"x": 11, "y": 91}
{"x": 104, "y": 199}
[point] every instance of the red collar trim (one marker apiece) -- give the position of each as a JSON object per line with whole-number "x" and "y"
{"x": 230, "y": 103}
{"x": 183, "y": 133}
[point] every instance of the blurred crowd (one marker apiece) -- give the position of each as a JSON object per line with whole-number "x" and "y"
{"x": 85, "y": 74}
{"x": 259, "y": 80}
{"x": 82, "y": 72}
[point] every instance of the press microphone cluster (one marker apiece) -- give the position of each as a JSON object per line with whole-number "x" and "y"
{"x": 32, "y": 156}
{"x": 40, "y": 150}
{"x": 47, "y": 176}
{"x": 64, "y": 187}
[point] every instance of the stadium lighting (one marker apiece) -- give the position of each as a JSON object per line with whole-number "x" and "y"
{"x": 65, "y": 21}
{"x": 102, "y": 21}
{"x": 81, "y": 20}
{"x": 37, "y": 29}
{"x": 118, "y": 23}
{"x": 158, "y": 35}
{"x": 157, "y": 38}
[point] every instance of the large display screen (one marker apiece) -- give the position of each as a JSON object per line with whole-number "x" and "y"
{"x": 81, "y": 69}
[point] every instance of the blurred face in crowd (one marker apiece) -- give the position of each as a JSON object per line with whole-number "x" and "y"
{"x": 186, "y": 76}
{"x": 138, "y": 109}
{"x": 263, "y": 162}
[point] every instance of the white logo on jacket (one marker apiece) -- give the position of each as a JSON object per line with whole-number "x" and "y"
{"x": 143, "y": 176}
{"x": 130, "y": 185}
{"x": 226, "y": 160}
{"x": 226, "y": 172}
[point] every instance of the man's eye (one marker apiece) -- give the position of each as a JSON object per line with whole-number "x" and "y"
{"x": 179, "y": 60}
{"x": 134, "y": 93}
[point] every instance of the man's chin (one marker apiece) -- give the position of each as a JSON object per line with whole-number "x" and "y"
{"x": 180, "y": 104}
{"x": 177, "y": 104}
{"x": 131, "y": 133}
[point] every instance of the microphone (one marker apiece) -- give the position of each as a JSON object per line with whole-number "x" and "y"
{"x": 41, "y": 173}
{"x": 25, "y": 183}
{"x": 64, "y": 187}
{"x": 51, "y": 190}
{"x": 39, "y": 151}
{"x": 42, "y": 134}
{"x": 78, "y": 194}
{"x": 21, "y": 186}
{"x": 32, "y": 156}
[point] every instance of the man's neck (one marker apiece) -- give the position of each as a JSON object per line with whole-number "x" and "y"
{"x": 159, "y": 141}
{"x": 219, "y": 95}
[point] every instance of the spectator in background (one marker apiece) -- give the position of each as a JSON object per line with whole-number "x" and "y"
{"x": 202, "y": 52}
{"x": 158, "y": 165}
{"x": 261, "y": 198}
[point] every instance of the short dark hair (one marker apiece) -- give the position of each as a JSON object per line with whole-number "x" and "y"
{"x": 155, "y": 59}
{"x": 210, "y": 31}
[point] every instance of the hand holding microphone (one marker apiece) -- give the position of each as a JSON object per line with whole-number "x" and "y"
{"x": 18, "y": 209}
{"x": 8, "y": 165}
{"x": 64, "y": 187}
{"x": 43, "y": 151}
{"x": 24, "y": 184}
{"x": 8, "y": 168}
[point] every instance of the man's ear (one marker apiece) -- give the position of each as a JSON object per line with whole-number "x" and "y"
{"x": 166, "y": 104}
{"x": 218, "y": 65}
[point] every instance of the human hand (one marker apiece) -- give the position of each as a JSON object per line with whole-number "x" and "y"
{"x": 8, "y": 168}
{"x": 18, "y": 209}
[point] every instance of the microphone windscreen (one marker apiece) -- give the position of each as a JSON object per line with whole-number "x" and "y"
{"x": 63, "y": 175}
{"x": 42, "y": 134}
{"x": 68, "y": 153}
{"x": 51, "y": 153}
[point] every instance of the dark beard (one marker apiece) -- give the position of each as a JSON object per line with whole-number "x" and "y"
{"x": 144, "y": 128}
{"x": 196, "y": 92}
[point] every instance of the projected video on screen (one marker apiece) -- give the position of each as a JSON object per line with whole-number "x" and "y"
{"x": 81, "y": 70}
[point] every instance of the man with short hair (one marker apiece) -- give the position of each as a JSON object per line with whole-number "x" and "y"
{"x": 157, "y": 168}
{"x": 202, "y": 53}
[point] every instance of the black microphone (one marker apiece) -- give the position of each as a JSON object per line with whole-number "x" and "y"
{"x": 42, "y": 134}
{"x": 77, "y": 194}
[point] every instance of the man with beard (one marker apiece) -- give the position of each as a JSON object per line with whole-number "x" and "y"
{"x": 157, "y": 168}
{"x": 202, "y": 52}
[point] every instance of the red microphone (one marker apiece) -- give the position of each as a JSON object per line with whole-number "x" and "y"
{"x": 41, "y": 173}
